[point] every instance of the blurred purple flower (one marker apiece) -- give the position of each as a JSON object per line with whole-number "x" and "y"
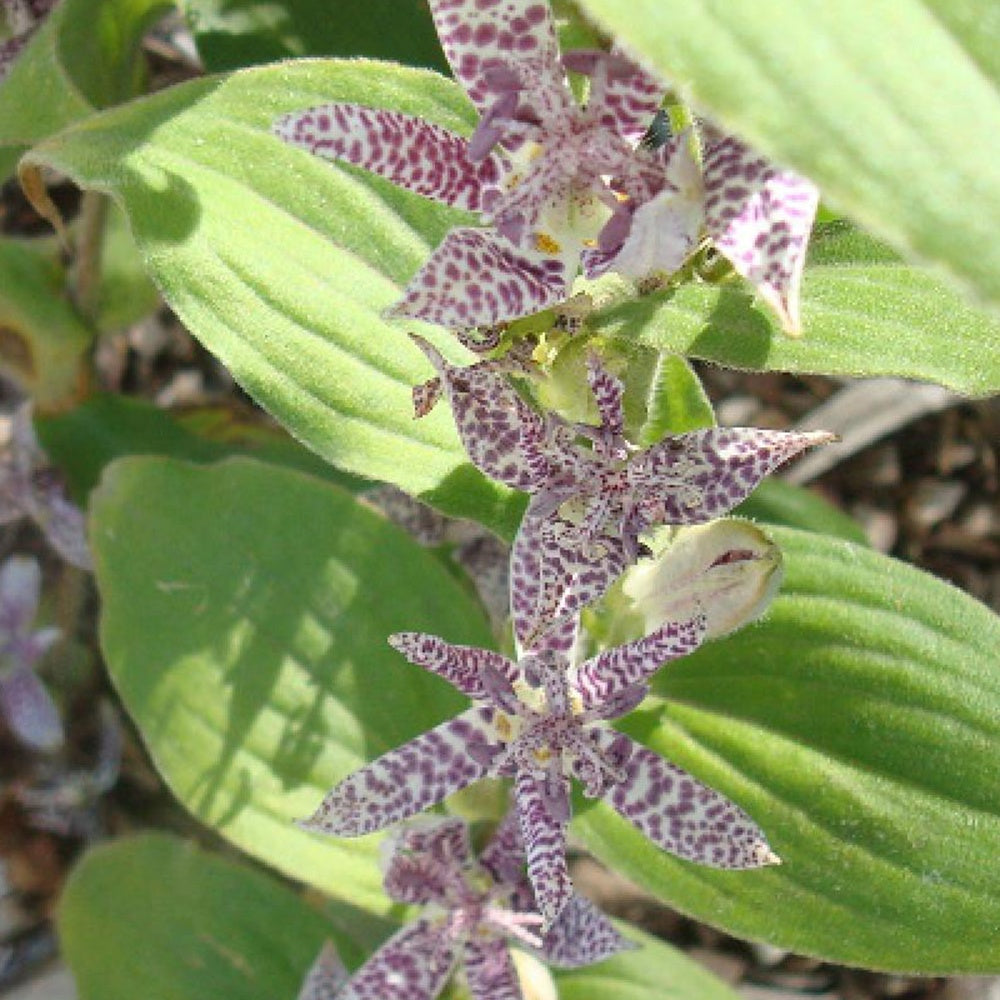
{"x": 23, "y": 18}
{"x": 24, "y": 702}
{"x": 30, "y": 487}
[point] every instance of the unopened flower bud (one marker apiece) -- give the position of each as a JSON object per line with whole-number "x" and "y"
{"x": 729, "y": 569}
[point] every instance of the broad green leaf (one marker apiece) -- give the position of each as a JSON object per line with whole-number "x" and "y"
{"x": 244, "y": 623}
{"x": 859, "y": 724}
{"x": 230, "y": 35}
{"x": 82, "y": 441}
{"x": 281, "y": 264}
{"x": 42, "y": 338}
{"x": 652, "y": 972}
{"x": 157, "y": 916}
{"x": 865, "y": 312}
{"x": 891, "y": 106}
{"x": 83, "y": 57}
{"x": 777, "y": 502}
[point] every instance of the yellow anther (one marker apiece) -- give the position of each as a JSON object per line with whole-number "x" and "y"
{"x": 542, "y": 755}
{"x": 545, "y": 244}
{"x": 503, "y": 727}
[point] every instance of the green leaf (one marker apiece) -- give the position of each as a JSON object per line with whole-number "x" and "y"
{"x": 42, "y": 339}
{"x": 864, "y": 313}
{"x": 652, "y": 972}
{"x": 244, "y": 623}
{"x": 83, "y": 57}
{"x": 675, "y": 400}
{"x": 126, "y": 295}
{"x": 777, "y": 502}
{"x": 82, "y": 441}
{"x": 230, "y": 35}
{"x": 281, "y": 264}
{"x": 157, "y": 915}
{"x": 891, "y": 106}
{"x": 859, "y": 725}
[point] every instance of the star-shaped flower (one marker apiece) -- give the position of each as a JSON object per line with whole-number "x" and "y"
{"x": 541, "y": 722}
{"x": 30, "y": 487}
{"x": 757, "y": 215}
{"x": 593, "y": 493}
{"x": 24, "y": 702}
{"x": 549, "y": 177}
{"x": 23, "y": 18}
{"x": 473, "y": 910}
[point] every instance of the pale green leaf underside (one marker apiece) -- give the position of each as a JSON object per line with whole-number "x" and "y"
{"x": 864, "y": 311}
{"x": 859, "y": 724}
{"x": 281, "y": 264}
{"x": 244, "y": 623}
{"x": 891, "y": 106}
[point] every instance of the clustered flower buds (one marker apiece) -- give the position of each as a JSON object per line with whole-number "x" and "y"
{"x": 561, "y": 187}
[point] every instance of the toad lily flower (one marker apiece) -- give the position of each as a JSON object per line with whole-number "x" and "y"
{"x": 541, "y": 723}
{"x": 472, "y": 910}
{"x": 24, "y": 702}
{"x": 30, "y": 487}
{"x": 593, "y": 493}
{"x": 548, "y": 177}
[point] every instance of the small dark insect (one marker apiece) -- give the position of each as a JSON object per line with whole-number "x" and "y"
{"x": 659, "y": 132}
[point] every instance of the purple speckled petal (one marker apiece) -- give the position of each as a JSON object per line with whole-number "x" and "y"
{"x": 683, "y": 816}
{"x": 607, "y": 675}
{"x": 408, "y": 780}
{"x": 326, "y": 976}
{"x": 486, "y": 560}
{"x": 426, "y": 861}
{"x": 414, "y": 964}
{"x": 760, "y": 217}
{"x": 695, "y": 477}
{"x": 479, "y": 38}
{"x": 29, "y": 710}
{"x": 477, "y": 278}
{"x": 545, "y": 844}
{"x": 461, "y": 666}
{"x": 622, "y": 94}
{"x": 421, "y": 157}
{"x": 490, "y": 971}
{"x": 422, "y": 523}
{"x": 556, "y": 572}
{"x": 581, "y": 936}
{"x": 498, "y": 429}
{"x": 608, "y": 392}
{"x": 503, "y": 857}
